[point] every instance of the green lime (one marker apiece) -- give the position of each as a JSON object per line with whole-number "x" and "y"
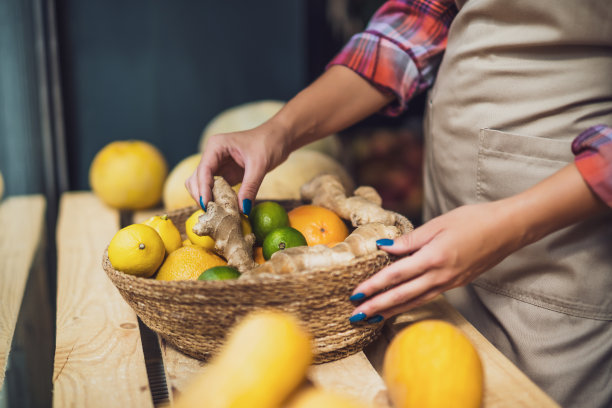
{"x": 266, "y": 217}
{"x": 219, "y": 273}
{"x": 282, "y": 238}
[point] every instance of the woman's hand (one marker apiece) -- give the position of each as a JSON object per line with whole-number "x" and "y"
{"x": 448, "y": 251}
{"x": 239, "y": 157}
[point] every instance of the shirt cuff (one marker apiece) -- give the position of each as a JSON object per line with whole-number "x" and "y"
{"x": 385, "y": 65}
{"x": 593, "y": 158}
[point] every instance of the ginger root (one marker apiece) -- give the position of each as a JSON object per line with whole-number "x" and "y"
{"x": 360, "y": 242}
{"x": 362, "y": 208}
{"x": 221, "y": 221}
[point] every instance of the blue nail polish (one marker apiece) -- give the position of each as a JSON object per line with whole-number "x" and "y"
{"x": 202, "y": 204}
{"x": 357, "y": 296}
{"x": 384, "y": 242}
{"x": 375, "y": 319}
{"x": 246, "y": 206}
{"x": 357, "y": 318}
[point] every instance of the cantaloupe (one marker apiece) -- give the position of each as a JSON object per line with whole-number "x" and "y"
{"x": 253, "y": 114}
{"x": 175, "y": 193}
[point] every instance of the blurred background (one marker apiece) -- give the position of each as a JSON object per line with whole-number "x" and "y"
{"x": 77, "y": 75}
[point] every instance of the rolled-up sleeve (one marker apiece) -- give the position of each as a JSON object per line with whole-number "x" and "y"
{"x": 593, "y": 158}
{"x": 401, "y": 48}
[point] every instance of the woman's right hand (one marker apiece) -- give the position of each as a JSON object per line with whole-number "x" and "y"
{"x": 244, "y": 156}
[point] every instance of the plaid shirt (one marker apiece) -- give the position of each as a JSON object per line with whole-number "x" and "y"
{"x": 400, "y": 50}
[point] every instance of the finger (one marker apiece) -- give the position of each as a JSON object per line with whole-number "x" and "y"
{"x": 398, "y": 295}
{"x": 411, "y": 241}
{"x": 413, "y": 304}
{"x": 253, "y": 176}
{"x": 208, "y": 165}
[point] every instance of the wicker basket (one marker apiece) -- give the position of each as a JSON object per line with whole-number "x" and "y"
{"x": 194, "y": 316}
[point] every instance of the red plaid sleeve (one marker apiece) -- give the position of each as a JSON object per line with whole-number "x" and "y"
{"x": 401, "y": 48}
{"x": 593, "y": 158}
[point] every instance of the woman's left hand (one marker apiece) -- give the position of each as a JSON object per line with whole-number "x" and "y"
{"x": 446, "y": 252}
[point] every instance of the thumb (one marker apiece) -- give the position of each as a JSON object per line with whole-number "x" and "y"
{"x": 410, "y": 242}
{"x": 253, "y": 176}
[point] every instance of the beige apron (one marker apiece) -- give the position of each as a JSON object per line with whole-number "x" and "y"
{"x": 519, "y": 81}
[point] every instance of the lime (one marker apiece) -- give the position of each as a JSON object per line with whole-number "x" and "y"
{"x": 266, "y": 217}
{"x": 219, "y": 273}
{"x": 282, "y": 238}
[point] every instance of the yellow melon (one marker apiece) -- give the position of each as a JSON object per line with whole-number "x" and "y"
{"x": 175, "y": 193}
{"x": 284, "y": 182}
{"x": 431, "y": 364}
{"x": 252, "y": 114}
{"x": 128, "y": 175}
{"x": 264, "y": 359}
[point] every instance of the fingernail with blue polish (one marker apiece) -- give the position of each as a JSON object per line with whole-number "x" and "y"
{"x": 384, "y": 242}
{"x": 375, "y": 319}
{"x": 357, "y": 296}
{"x": 357, "y": 318}
{"x": 202, "y": 204}
{"x": 246, "y": 206}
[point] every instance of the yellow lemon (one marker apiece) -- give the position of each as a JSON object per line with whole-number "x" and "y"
{"x": 187, "y": 263}
{"x": 320, "y": 398}
{"x": 128, "y": 175}
{"x": 431, "y": 364}
{"x": 137, "y": 250}
{"x": 205, "y": 241}
{"x": 167, "y": 231}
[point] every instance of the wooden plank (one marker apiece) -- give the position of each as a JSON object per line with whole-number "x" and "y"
{"x": 98, "y": 357}
{"x": 354, "y": 376}
{"x": 505, "y": 384}
{"x": 22, "y": 219}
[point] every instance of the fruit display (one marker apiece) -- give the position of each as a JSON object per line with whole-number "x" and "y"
{"x": 431, "y": 364}
{"x": 128, "y": 175}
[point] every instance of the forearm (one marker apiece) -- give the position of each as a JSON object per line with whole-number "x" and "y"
{"x": 336, "y": 100}
{"x": 558, "y": 201}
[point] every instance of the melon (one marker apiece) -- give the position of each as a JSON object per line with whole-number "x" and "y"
{"x": 175, "y": 193}
{"x": 284, "y": 182}
{"x": 253, "y": 114}
{"x": 128, "y": 175}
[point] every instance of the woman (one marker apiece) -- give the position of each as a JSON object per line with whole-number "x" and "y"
{"x": 519, "y": 225}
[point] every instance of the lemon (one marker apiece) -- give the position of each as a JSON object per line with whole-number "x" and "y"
{"x": 128, "y": 175}
{"x": 137, "y": 250}
{"x": 282, "y": 238}
{"x": 168, "y": 232}
{"x": 187, "y": 263}
{"x": 265, "y": 217}
{"x": 205, "y": 241}
{"x": 187, "y": 242}
{"x": 219, "y": 273}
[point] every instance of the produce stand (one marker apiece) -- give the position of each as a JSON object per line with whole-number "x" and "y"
{"x": 99, "y": 358}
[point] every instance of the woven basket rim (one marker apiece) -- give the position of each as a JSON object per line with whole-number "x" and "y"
{"x": 249, "y": 280}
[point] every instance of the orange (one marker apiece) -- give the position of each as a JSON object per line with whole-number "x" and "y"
{"x": 128, "y": 175}
{"x": 258, "y": 255}
{"x": 187, "y": 263}
{"x": 318, "y": 225}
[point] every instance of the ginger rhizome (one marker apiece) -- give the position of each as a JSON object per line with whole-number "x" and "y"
{"x": 221, "y": 221}
{"x": 362, "y": 208}
{"x": 360, "y": 242}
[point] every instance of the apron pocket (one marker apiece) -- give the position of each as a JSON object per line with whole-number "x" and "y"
{"x": 509, "y": 163}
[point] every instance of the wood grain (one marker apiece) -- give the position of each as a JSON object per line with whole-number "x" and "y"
{"x": 22, "y": 220}
{"x": 505, "y": 384}
{"x": 98, "y": 359}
